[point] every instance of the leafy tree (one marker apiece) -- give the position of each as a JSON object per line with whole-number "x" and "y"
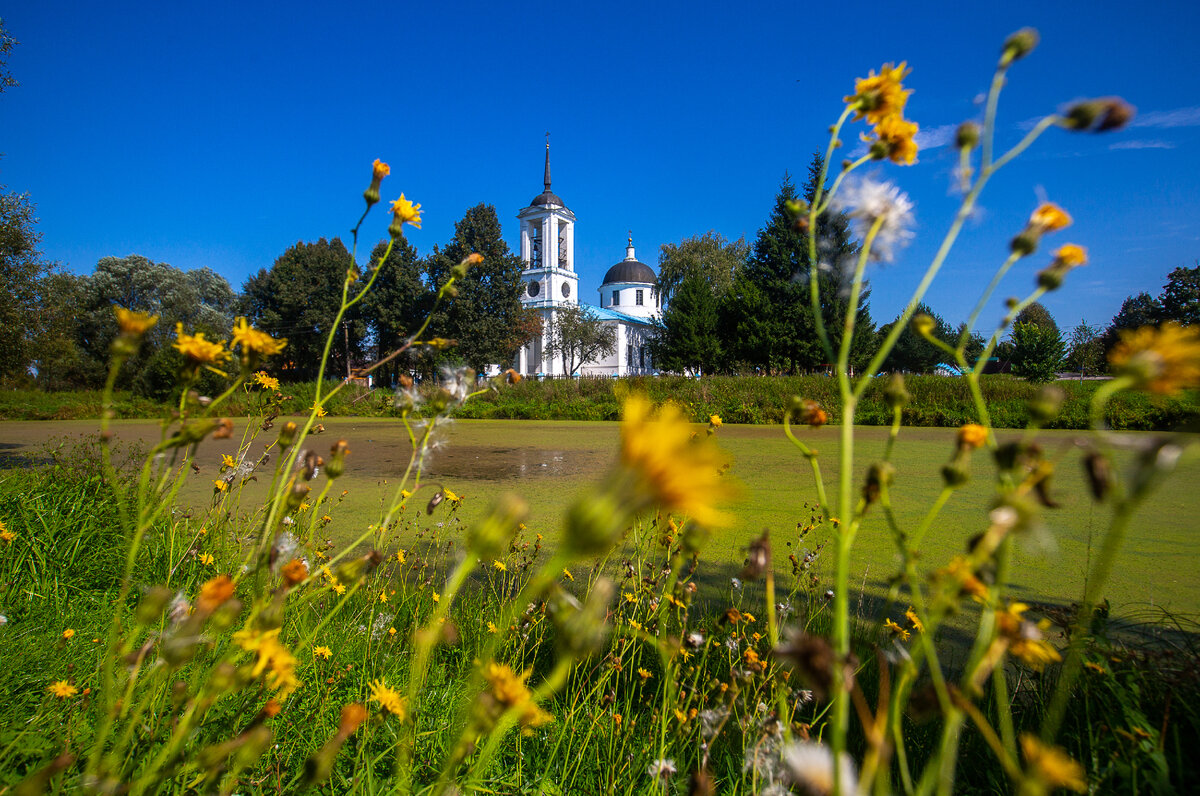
{"x": 975, "y": 344}
{"x": 912, "y": 352}
{"x": 744, "y": 326}
{"x": 59, "y": 359}
{"x": 1136, "y": 311}
{"x": 1086, "y": 351}
{"x": 710, "y": 255}
{"x": 487, "y": 307}
{"x": 579, "y": 336}
{"x": 687, "y": 334}
{"x": 397, "y": 304}
{"x": 21, "y": 269}
{"x": 1038, "y": 352}
{"x": 298, "y": 298}
{"x": 1035, "y": 313}
{"x": 1180, "y": 299}
{"x": 7, "y": 42}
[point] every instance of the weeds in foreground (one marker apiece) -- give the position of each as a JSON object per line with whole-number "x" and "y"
{"x": 241, "y": 649}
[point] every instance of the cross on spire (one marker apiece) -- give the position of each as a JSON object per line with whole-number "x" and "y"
{"x": 547, "y": 162}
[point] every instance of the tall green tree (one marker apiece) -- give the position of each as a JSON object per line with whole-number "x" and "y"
{"x": 1136, "y": 312}
{"x": 1038, "y": 315}
{"x": 397, "y": 304}
{"x": 21, "y": 271}
{"x": 687, "y": 334}
{"x": 1086, "y": 351}
{"x": 912, "y": 352}
{"x": 1038, "y": 352}
{"x": 744, "y": 327}
{"x": 487, "y": 308}
{"x": 1180, "y": 298}
{"x": 579, "y": 336}
{"x": 710, "y": 255}
{"x": 298, "y": 298}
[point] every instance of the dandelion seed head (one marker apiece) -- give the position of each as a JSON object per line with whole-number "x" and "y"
{"x": 866, "y": 201}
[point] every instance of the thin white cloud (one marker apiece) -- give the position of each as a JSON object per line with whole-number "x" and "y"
{"x": 1142, "y": 144}
{"x": 1179, "y": 117}
{"x": 935, "y": 137}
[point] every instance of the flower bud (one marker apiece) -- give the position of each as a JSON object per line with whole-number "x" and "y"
{"x": 296, "y": 496}
{"x": 581, "y": 630}
{"x": 1026, "y": 243}
{"x": 967, "y": 136}
{"x": 1018, "y": 45}
{"x": 923, "y": 324}
{"x": 488, "y": 538}
{"x": 879, "y": 475}
{"x": 379, "y": 170}
{"x": 594, "y": 524}
{"x": 287, "y": 435}
{"x": 1046, "y": 405}
{"x": 895, "y": 393}
{"x": 955, "y": 473}
{"x": 337, "y": 459}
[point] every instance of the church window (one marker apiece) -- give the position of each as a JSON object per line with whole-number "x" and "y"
{"x": 535, "y": 250}
{"x": 616, "y": 298}
{"x": 534, "y": 288}
{"x": 629, "y": 354}
{"x": 566, "y": 289}
{"x": 642, "y": 357}
{"x": 562, "y": 247}
{"x": 638, "y": 298}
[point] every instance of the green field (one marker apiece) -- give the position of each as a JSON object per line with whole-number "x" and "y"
{"x": 551, "y": 462}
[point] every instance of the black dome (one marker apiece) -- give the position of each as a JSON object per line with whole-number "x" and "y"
{"x": 630, "y": 271}
{"x": 547, "y": 198}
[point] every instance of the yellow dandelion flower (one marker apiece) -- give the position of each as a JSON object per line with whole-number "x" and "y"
{"x": 1025, "y": 639}
{"x": 450, "y": 496}
{"x": 972, "y": 436}
{"x": 323, "y": 652}
{"x": 392, "y": 632}
{"x": 617, "y": 719}
{"x": 1070, "y": 255}
{"x": 206, "y": 559}
{"x": 437, "y": 598}
{"x": 383, "y": 597}
{"x": 1052, "y": 766}
{"x": 220, "y": 485}
{"x": 1049, "y": 217}
{"x": 912, "y": 617}
{"x": 629, "y": 597}
{"x": 636, "y": 625}
{"x": 882, "y": 95}
{"x": 896, "y": 630}
{"x": 1163, "y": 360}
{"x": 678, "y": 474}
{"x": 714, "y": 421}
{"x": 338, "y": 588}
{"x": 256, "y": 341}
{"x": 379, "y": 169}
{"x": 68, "y": 633}
{"x": 399, "y": 556}
{"x": 389, "y": 699}
{"x": 642, "y": 673}
{"x": 499, "y": 566}
{"x": 405, "y": 212}
{"x": 272, "y": 659}
{"x": 567, "y": 574}
{"x": 491, "y": 628}
{"x": 6, "y": 534}
{"x": 265, "y": 381}
{"x": 227, "y": 461}
{"x": 303, "y": 507}
{"x": 507, "y": 690}
{"x": 747, "y": 616}
{"x": 893, "y": 139}
{"x": 62, "y": 689}
{"x": 214, "y": 593}
{"x": 199, "y": 350}
{"x": 134, "y": 323}
{"x": 321, "y": 411}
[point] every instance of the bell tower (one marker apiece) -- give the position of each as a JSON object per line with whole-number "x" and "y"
{"x": 549, "y": 279}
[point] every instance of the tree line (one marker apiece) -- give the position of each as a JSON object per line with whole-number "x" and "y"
{"x": 56, "y": 328}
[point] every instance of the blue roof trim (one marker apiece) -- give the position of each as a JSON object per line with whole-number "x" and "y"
{"x": 606, "y": 314}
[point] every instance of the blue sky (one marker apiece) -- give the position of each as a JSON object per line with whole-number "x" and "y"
{"x": 218, "y": 134}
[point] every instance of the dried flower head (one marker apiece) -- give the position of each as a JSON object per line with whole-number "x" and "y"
{"x": 866, "y": 201}
{"x": 809, "y": 766}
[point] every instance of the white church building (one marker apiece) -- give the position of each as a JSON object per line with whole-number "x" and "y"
{"x": 629, "y": 299}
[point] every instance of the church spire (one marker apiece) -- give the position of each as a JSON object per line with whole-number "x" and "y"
{"x": 629, "y": 248}
{"x": 547, "y": 163}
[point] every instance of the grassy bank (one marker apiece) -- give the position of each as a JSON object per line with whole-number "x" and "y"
{"x": 937, "y": 402}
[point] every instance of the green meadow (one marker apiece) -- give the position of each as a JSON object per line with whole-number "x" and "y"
{"x": 549, "y": 463}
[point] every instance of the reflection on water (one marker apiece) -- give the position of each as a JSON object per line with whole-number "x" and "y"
{"x": 502, "y": 464}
